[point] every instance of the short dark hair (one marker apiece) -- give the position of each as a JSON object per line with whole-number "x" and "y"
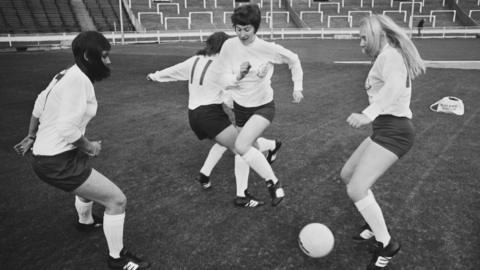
{"x": 91, "y": 44}
{"x": 247, "y": 14}
{"x": 213, "y": 44}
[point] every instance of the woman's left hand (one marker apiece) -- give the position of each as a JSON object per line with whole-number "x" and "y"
{"x": 297, "y": 96}
{"x": 263, "y": 70}
{"x": 357, "y": 120}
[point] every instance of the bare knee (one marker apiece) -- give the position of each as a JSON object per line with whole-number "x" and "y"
{"x": 345, "y": 175}
{"x": 116, "y": 204}
{"x": 356, "y": 193}
{"x": 242, "y": 147}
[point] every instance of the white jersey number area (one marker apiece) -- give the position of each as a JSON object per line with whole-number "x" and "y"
{"x": 204, "y": 71}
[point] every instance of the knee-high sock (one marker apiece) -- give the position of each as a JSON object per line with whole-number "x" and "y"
{"x": 372, "y": 214}
{"x": 257, "y": 161}
{"x": 265, "y": 144}
{"x": 84, "y": 211}
{"x": 214, "y": 155}
{"x": 113, "y": 230}
{"x": 242, "y": 171}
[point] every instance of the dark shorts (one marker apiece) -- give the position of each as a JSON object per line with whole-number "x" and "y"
{"x": 242, "y": 114}
{"x": 394, "y": 133}
{"x": 208, "y": 121}
{"x": 66, "y": 171}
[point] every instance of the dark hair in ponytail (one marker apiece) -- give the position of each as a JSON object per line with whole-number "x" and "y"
{"x": 213, "y": 44}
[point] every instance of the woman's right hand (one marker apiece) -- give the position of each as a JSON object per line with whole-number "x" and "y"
{"x": 244, "y": 69}
{"x": 22, "y": 147}
{"x": 94, "y": 148}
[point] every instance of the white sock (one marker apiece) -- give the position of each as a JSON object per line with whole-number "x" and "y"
{"x": 372, "y": 214}
{"x": 242, "y": 170}
{"x": 265, "y": 144}
{"x": 257, "y": 161}
{"x": 214, "y": 155}
{"x": 84, "y": 211}
{"x": 113, "y": 230}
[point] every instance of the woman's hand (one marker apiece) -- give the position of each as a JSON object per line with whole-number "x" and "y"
{"x": 357, "y": 120}
{"x": 244, "y": 69}
{"x": 297, "y": 96}
{"x": 263, "y": 70}
{"x": 93, "y": 148}
{"x": 22, "y": 147}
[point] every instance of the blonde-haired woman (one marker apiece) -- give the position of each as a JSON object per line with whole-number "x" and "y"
{"x": 396, "y": 62}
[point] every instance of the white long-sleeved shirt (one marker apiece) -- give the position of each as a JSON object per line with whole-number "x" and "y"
{"x": 204, "y": 87}
{"x": 388, "y": 86}
{"x": 64, "y": 109}
{"x": 252, "y": 90}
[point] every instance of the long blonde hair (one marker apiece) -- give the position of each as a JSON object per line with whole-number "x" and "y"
{"x": 376, "y": 26}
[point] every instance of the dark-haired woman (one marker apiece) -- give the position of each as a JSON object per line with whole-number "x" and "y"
{"x": 247, "y": 64}
{"x": 61, "y": 152}
{"x": 206, "y": 115}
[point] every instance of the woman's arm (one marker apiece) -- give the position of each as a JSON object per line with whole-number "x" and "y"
{"x": 23, "y": 146}
{"x": 394, "y": 75}
{"x": 285, "y": 56}
{"x": 91, "y": 148}
{"x": 178, "y": 72}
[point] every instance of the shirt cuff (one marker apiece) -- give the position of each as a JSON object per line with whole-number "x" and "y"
{"x": 372, "y": 111}
{"x": 297, "y": 85}
{"x": 36, "y": 114}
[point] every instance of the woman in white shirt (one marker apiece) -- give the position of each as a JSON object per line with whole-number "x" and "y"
{"x": 61, "y": 152}
{"x": 247, "y": 62}
{"x": 206, "y": 114}
{"x": 388, "y": 86}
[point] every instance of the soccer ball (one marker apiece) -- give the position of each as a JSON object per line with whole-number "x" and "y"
{"x": 316, "y": 240}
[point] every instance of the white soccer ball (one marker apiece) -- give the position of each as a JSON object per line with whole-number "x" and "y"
{"x": 316, "y": 240}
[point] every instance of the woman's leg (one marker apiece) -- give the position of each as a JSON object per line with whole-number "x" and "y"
{"x": 227, "y": 138}
{"x": 249, "y": 133}
{"x": 84, "y": 210}
{"x": 372, "y": 163}
{"x": 243, "y": 199}
{"x": 214, "y": 155}
{"x": 100, "y": 189}
{"x": 244, "y": 146}
{"x": 351, "y": 164}
{"x": 217, "y": 150}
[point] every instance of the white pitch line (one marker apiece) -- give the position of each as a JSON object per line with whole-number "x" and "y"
{"x": 430, "y": 64}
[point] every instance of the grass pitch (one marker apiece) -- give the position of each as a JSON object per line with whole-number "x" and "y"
{"x": 430, "y": 198}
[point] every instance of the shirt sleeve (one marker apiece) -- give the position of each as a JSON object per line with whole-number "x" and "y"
{"x": 73, "y": 106}
{"x": 39, "y": 104}
{"x": 394, "y": 74}
{"x": 223, "y": 69}
{"x": 41, "y": 99}
{"x": 178, "y": 72}
{"x": 285, "y": 56}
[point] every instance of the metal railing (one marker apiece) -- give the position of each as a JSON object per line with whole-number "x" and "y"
{"x": 64, "y": 39}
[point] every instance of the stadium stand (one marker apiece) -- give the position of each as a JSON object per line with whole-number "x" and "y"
{"x": 219, "y": 10}
{"x": 400, "y": 11}
{"x": 105, "y": 15}
{"x": 310, "y": 14}
{"x": 169, "y": 16}
{"x": 468, "y": 11}
{"x": 34, "y": 16}
{"x": 51, "y": 16}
